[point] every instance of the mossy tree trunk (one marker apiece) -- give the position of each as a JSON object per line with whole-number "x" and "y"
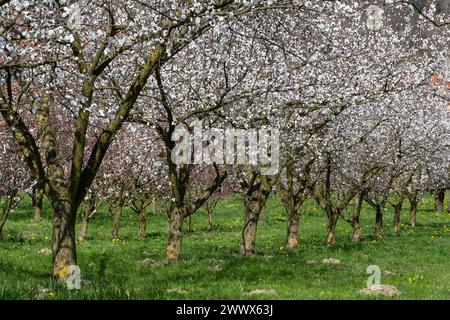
{"x": 117, "y": 209}
{"x": 248, "y": 242}
{"x": 37, "y": 199}
{"x": 292, "y": 197}
{"x": 175, "y": 234}
{"x": 64, "y": 252}
{"x": 88, "y": 208}
{"x": 355, "y": 219}
{"x": 139, "y": 205}
{"x": 179, "y": 210}
{"x": 257, "y": 189}
{"x": 378, "y": 220}
{"x": 291, "y": 205}
{"x": 439, "y": 198}
{"x": 294, "y": 192}
{"x": 210, "y": 206}
{"x": 397, "y": 201}
{"x": 378, "y": 204}
{"x": 142, "y": 223}
{"x": 414, "y": 203}
{"x": 64, "y": 200}
{"x": 292, "y": 226}
{"x": 6, "y": 203}
{"x": 331, "y": 228}
{"x": 210, "y": 219}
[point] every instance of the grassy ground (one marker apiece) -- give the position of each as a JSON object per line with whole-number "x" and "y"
{"x": 211, "y": 269}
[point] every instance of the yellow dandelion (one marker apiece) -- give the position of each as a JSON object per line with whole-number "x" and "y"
{"x": 62, "y": 272}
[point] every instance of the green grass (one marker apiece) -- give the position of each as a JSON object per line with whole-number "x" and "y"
{"x": 211, "y": 269}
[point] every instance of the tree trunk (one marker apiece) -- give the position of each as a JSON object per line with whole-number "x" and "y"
{"x": 413, "y": 211}
{"x": 154, "y": 206}
{"x": 248, "y": 243}
{"x": 439, "y": 200}
{"x": 331, "y": 230}
{"x": 63, "y": 239}
{"x": 255, "y": 199}
{"x": 210, "y": 223}
{"x": 397, "y": 215}
{"x": 88, "y": 207}
{"x": 292, "y": 231}
{"x": 291, "y": 205}
{"x": 261, "y": 215}
{"x": 139, "y": 206}
{"x": 5, "y": 210}
{"x": 117, "y": 207}
{"x": 37, "y": 213}
{"x": 142, "y": 223}
{"x": 84, "y": 227}
{"x": 378, "y": 221}
{"x": 355, "y": 219}
{"x": 356, "y": 229}
{"x": 292, "y": 224}
{"x": 3, "y": 218}
{"x": 175, "y": 233}
{"x": 38, "y": 195}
